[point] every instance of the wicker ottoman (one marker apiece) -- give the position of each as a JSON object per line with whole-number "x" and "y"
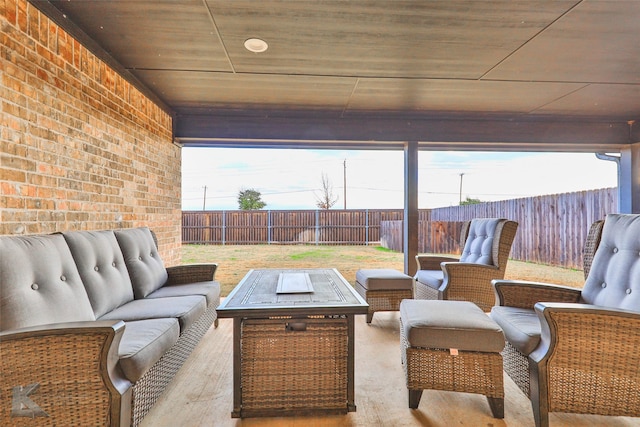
{"x": 383, "y": 289}
{"x": 451, "y": 345}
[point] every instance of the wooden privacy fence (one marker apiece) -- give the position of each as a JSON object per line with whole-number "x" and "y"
{"x": 327, "y": 227}
{"x": 552, "y": 229}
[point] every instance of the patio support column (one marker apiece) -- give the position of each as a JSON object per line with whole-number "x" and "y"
{"x": 410, "y": 223}
{"x": 629, "y": 182}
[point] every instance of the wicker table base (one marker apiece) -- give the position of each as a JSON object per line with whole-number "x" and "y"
{"x": 293, "y": 349}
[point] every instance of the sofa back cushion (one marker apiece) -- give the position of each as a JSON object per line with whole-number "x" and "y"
{"x": 614, "y": 278}
{"x": 39, "y": 283}
{"x": 102, "y": 269}
{"x": 145, "y": 266}
{"x": 478, "y": 249}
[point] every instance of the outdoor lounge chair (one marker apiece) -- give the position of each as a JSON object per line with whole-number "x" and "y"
{"x": 576, "y": 350}
{"x": 486, "y": 245}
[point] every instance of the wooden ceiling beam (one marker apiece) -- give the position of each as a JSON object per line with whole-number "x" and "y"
{"x": 470, "y": 132}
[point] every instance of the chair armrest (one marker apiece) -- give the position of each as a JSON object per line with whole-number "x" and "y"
{"x": 587, "y": 359}
{"x": 67, "y": 372}
{"x": 191, "y": 273}
{"x": 523, "y": 294}
{"x": 470, "y": 282}
{"x": 432, "y": 262}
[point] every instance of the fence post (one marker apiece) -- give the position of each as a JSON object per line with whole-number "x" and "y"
{"x": 269, "y": 226}
{"x": 366, "y": 227}
{"x": 317, "y": 227}
{"x": 224, "y": 228}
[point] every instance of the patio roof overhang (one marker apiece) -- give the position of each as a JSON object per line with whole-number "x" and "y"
{"x": 440, "y": 75}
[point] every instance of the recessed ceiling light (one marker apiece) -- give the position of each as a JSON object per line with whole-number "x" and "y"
{"x": 256, "y": 45}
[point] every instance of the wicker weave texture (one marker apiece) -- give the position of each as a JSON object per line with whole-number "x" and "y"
{"x": 595, "y": 367}
{"x": 591, "y": 244}
{"x": 288, "y": 370}
{"x": 74, "y": 391}
{"x": 472, "y": 282}
{"x": 516, "y": 365}
{"x": 383, "y": 300}
{"x": 437, "y": 369}
{"x": 148, "y": 389}
{"x": 423, "y": 291}
{"x": 526, "y": 295}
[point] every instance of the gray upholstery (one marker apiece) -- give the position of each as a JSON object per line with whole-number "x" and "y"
{"x": 521, "y": 327}
{"x": 210, "y": 290}
{"x": 144, "y": 264}
{"x": 609, "y": 284}
{"x": 449, "y": 324}
{"x": 39, "y": 283}
{"x": 432, "y": 278}
{"x": 102, "y": 268}
{"x": 383, "y": 279}
{"x": 478, "y": 248}
{"x": 186, "y": 309}
{"x": 612, "y": 280}
{"x": 143, "y": 344}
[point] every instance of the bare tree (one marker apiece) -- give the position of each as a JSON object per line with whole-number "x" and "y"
{"x": 326, "y": 199}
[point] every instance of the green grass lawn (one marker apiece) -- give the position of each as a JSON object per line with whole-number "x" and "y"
{"x": 235, "y": 261}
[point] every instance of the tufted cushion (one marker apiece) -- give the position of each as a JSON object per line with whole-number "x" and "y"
{"x": 614, "y": 278}
{"x": 102, "y": 268}
{"x": 39, "y": 283}
{"x": 478, "y": 248}
{"x": 145, "y": 266}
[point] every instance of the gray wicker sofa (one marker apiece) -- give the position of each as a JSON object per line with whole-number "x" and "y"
{"x": 93, "y": 327}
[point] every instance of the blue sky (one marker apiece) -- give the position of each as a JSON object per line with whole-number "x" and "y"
{"x": 292, "y": 179}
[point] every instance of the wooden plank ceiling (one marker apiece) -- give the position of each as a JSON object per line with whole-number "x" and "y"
{"x": 529, "y": 74}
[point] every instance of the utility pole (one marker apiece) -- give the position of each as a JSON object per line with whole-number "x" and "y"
{"x": 345, "y": 183}
{"x": 461, "y": 175}
{"x": 204, "y": 201}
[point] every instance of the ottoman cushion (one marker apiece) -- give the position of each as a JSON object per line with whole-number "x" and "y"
{"x": 450, "y": 324}
{"x": 383, "y": 279}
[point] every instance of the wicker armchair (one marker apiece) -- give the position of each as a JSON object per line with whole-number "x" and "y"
{"x": 486, "y": 245}
{"x": 576, "y": 350}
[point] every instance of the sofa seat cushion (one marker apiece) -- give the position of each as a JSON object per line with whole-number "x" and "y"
{"x": 210, "y": 290}
{"x": 102, "y": 268}
{"x": 521, "y": 327}
{"x": 143, "y": 344}
{"x": 144, "y": 264}
{"x": 186, "y": 309}
{"x": 40, "y": 283}
{"x": 441, "y": 324}
{"x": 431, "y": 278}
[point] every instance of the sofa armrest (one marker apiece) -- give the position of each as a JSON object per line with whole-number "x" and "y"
{"x": 191, "y": 273}
{"x": 432, "y": 262}
{"x": 66, "y": 372}
{"x": 523, "y": 294}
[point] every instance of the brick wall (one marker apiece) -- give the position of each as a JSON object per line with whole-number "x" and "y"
{"x": 81, "y": 148}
